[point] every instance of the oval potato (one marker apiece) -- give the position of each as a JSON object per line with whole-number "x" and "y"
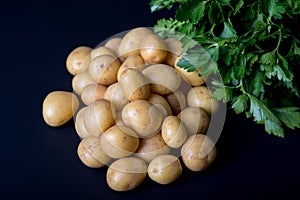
{"x": 153, "y": 49}
{"x": 76, "y": 59}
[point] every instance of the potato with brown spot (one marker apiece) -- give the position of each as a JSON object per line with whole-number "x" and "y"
{"x": 76, "y": 59}
{"x": 59, "y": 107}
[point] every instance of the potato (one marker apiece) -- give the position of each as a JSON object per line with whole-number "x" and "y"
{"x": 201, "y": 97}
{"x": 99, "y": 51}
{"x": 92, "y": 93}
{"x": 133, "y": 61}
{"x": 173, "y": 131}
{"x": 144, "y": 118}
{"x": 174, "y": 48}
{"x": 79, "y": 124}
{"x": 162, "y": 78}
{"x": 113, "y": 44}
{"x": 99, "y": 117}
{"x": 59, "y": 107}
{"x": 81, "y": 80}
{"x": 151, "y": 147}
{"x": 164, "y": 169}
{"x": 191, "y": 77}
{"x": 176, "y": 101}
{"x": 126, "y": 174}
{"x": 118, "y": 118}
{"x": 153, "y": 49}
{"x": 76, "y": 59}
{"x": 161, "y": 103}
{"x": 103, "y": 69}
{"x": 195, "y": 119}
{"x": 134, "y": 84}
{"x": 131, "y": 42}
{"x": 116, "y": 95}
{"x": 119, "y": 141}
{"x": 198, "y": 152}
{"x": 91, "y": 154}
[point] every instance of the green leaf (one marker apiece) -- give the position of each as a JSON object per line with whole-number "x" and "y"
{"x": 240, "y": 104}
{"x": 285, "y": 76}
{"x": 256, "y": 86}
{"x": 192, "y": 11}
{"x": 268, "y": 58}
{"x": 215, "y": 13}
{"x": 240, "y": 67}
{"x": 297, "y": 50}
{"x": 222, "y": 93}
{"x": 228, "y": 31}
{"x": 290, "y": 116}
{"x": 275, "y": 9}
{"x": 238, "y": 6}
{"x": 263, "y": 115}
{"x": 156, "y": 5}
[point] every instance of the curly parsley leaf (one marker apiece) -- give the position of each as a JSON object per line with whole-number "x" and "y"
{"x": 290, "y": 116}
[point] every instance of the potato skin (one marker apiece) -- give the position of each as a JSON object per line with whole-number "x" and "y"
{"x": 161, "y": 103}
{"x": 153, "y": 49}
{"x": 164, "y": 169}
{"x": 113, "y": 44}
{"x": 59, "y": 107}
{"x": 92, "y": 93}
{"x": 198, "y": 152}
{"x": 99, "y": 51}
{"x": 79, "y": 124}
{"x": 126, "y": 174}
{"x": 176, "y": 101}
{"x": 133, "y": 61}
{"x": 76, "y": 58}
{"x": 116, "y": 96}
{"x": 174, "y": 47}
{"x": 80, "y": 81}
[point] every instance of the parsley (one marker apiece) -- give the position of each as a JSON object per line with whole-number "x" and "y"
{"x": 255, "y": 45}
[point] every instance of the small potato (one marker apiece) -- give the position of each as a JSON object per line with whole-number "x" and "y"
{"x": 113, "y": 44}
{"x": 191, "y": 77}
{"x": 80, "y": 81}
{"x": 91, "y": 154}
{"x": 92, "y": 93}
{"x": 162, "y": 78}
{"x": 133, "y": 61}
{"x": 143, "y": 117}
{"x": 76, "y": 58}
{"x": 131, "y": 42}
{"x": 134, "y": 84}
{"x": 118, "y": 119}
{"x": 79, "y": 124}
{"x": 59, "y": 107}
{"x": 198, "y": 152}
{"x": 176, "y": 101}
{"x": 164, "y": 169}
{"x": 99, "y": 117}
{"x": 174, "y": 47}
{"x": 173, "y": 132}
{"x": 116, "y": 96}
{"x": 103, "y": 69}
{"x": 151, "y": 147}
{"x": 201, "y": 97}
{"x": 126, "y": 173}
{"x": 161, "y": 103}
{"x": 153, "y": 49}
{"x": 195, "y": 119}
{"x": 99, "y": 51}
{"x": 119, "y": 141}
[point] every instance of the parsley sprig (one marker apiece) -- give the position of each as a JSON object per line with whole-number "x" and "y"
{"x": 256, "y": 48}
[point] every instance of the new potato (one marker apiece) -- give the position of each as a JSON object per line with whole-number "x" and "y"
{"x": 76, "y": 59}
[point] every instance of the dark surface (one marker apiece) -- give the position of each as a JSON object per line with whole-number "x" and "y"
{"x": 40, "y": 162}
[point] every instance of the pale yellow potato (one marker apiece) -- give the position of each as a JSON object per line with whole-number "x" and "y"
{"x": 99, "y": 51}
{"x": 174, "y": 47}
{"x": 153, "y": 49}
{"x": 92, "y": 93}
{"x": 131, "y": 42}
{"x": 126, "y": 173}
{"x": 91, "y": 153}
{"x": 76, "y": 58}
{"x": 173, "y": 132}
{"x": 152, "y": 147}
{"x": 116, "y": 96}
{"x": 161, "y": 103}
{"x": 134, "y": 84}
{"x": 103, "y": 69}
{"x": 195, "y": 119}
{"x": 176, "y": 101}
{"x": 143, "y": 117}
{"x": 133, "y": 61}
{"x": 162, "y": 78}
{"x": 198, "y": 152}
{"x": 164, "y": 169}
{"x": 113, "y": 44}
{"x": 99, "y": 117}
{"x": 79, "y": 124}
{"x": 119, "y": 141}
{"x": 80, "y": 81}
{"x": 59, "y": 107}
{"x": 200, "y": 96}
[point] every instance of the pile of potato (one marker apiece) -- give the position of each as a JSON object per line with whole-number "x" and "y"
{"x": 135, "y": 110}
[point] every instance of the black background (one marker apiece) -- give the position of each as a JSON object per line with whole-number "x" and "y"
{"x": 40, "y": 162}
